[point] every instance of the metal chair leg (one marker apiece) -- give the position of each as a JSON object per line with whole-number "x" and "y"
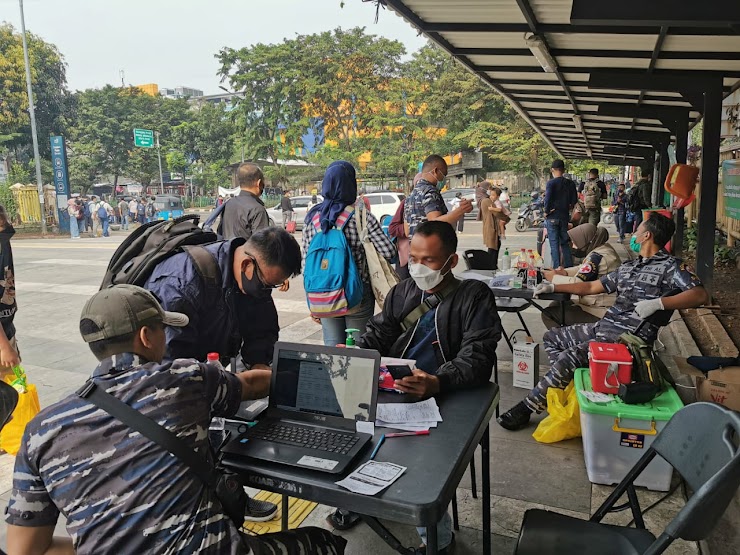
{"x": 455, "y": 522}
{"x": 495, "y": 379}
{"x": 526, "y": 329}
{"x": 473, "y": 481}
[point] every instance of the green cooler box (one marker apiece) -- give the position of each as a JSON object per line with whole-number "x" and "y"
{"x": 616, "y": 435}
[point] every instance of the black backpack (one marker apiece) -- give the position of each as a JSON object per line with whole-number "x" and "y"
{"x": 633, "y": 200}
{"x": 135, "y": 259}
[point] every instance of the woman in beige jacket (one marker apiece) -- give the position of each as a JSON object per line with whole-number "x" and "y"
{"x": 600, "y": 259}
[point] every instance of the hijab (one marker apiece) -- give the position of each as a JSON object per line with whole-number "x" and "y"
{"x": 587, "y": 237}
{"x": 339, "y": 189}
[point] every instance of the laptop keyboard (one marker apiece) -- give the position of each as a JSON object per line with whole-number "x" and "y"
{"x": 321, "y": 440}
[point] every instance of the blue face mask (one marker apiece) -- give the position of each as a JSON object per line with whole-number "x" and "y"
{"x": 634, "y": 245}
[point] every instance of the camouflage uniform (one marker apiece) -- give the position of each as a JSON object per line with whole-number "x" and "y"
{"x": 119, "y": 491}
{"x": 637, "y": 280}
{"x": 423, "y": 199}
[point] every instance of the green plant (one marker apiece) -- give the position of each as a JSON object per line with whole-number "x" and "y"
{"x": 690, "y": 239}
{"x": 8, "y": 201}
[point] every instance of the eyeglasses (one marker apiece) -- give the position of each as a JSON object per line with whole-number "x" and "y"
{"x": 260, "y": 277}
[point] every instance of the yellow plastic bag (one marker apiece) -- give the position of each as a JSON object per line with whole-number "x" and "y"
{"x": 28, "y": 407}
{"x": 564, "y": 418}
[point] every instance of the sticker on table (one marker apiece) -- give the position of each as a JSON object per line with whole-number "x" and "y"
{"x": 635, "y": 441}
{"x": 315, "y": 462}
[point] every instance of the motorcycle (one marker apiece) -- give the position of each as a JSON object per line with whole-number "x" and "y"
{"x": 530, "y": 215}
{"x": 607, "y": 215}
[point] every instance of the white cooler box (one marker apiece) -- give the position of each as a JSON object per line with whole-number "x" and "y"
{"x": 616, "y": 435}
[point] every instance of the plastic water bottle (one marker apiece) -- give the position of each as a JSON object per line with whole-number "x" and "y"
{"x": 506, "y": 260}
{"x": 217, "y": 424}
{"x": 531, "y": 272}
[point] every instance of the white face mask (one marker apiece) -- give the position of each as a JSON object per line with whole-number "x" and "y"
{"x": 425, "y": 277}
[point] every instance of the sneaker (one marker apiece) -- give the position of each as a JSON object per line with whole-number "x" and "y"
{"x": 449, "y": 549}
{"x": 259, "y": 511}
{"x": 516, "y": 418}
{"x": 342, "y": 520}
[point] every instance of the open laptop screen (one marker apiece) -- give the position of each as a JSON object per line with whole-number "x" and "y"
{"x": 339, "y": 385}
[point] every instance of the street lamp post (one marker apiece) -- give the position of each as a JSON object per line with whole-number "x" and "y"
{"x": 159, "y": 157}
{"x": 32, "y": 114}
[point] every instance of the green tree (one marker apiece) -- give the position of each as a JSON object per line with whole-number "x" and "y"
{"x": 52, "y": 103}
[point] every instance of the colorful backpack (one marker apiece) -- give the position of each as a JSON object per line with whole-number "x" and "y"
{"x": 331, "y": 279}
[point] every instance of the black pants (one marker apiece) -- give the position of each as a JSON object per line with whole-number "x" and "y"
{"x": 494, "y": 255}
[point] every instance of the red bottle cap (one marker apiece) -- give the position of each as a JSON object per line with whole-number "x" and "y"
{"x": 212, "y": 357}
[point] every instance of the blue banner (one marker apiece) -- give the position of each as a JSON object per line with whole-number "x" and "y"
{"x": 61, "y": 181}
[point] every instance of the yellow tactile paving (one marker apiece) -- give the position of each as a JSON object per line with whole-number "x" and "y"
{"x": 298, "y": 511}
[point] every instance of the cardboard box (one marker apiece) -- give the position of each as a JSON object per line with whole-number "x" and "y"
{"x": 526, "y": 364}
{"x": 720, "y": 386}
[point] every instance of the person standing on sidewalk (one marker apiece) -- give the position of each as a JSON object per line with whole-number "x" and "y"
{"x": 246, "y": 213}
{"x": 560, "y": 197}
{"x": 72, "y": 211}
{"x": 123, "y": 209}
{"x": 593, "y": 192}
{"x": 644, "y": 193}
{"x": 620, "y": 211}
{"x": 9, "y": 354}
{"x": 287, "y": 208}
{"x": 133, "y": 210}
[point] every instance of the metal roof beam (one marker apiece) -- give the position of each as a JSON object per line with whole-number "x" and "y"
{"x": 590, "y": 53}
{"x": 638, "y": 13}
{"x": 652, "y": 137}
{"x": 660, "y": 80}
{"x": 445, "y": 27}
{"x": 635, "y": 151}
{"x": 663, "y": 113}
{"x": 666, "y": 73}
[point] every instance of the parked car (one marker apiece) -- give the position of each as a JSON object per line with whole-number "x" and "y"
{"x": 300, "y": 207}
{"x": 467, "y": 193}
{"x": 384, "y": 203}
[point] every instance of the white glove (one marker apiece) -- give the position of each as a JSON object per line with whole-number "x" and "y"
{"x": 645, "y": 309}
{"x": 543, "y": 289}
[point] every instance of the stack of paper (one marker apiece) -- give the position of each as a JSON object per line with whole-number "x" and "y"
{"x": 411, "y": 417}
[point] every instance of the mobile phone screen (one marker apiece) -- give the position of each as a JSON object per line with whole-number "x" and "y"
{"x": 399, "y": 371}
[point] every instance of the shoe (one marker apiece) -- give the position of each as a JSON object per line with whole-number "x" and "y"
{"x": 449, "y": 549}
{"x": 516, "y": 418}
{"x": 343, "y": 520}
{"x": 259, "y": 511}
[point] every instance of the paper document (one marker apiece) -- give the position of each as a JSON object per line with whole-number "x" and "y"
{"x": 500, "y": 282}
{"x": 372, "y": 477}
{"x": 596, "y": 397}
{"x": 409, "y": 413}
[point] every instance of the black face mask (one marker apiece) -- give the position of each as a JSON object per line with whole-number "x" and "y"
{"x": 254, "y": 287}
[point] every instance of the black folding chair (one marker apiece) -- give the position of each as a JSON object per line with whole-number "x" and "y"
{"x": 478, "y": 259}
{"x": 701, "y": 442}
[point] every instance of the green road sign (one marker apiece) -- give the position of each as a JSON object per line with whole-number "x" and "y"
{"x": 144, "y": 138}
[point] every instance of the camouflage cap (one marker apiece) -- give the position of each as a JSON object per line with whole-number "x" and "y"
{"x": 122, "y": 309}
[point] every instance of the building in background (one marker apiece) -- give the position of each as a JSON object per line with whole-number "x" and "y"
{"x": 152, "y": 89}
{"x": 181, "y": 92}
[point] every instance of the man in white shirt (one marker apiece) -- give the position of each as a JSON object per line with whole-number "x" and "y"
{"x": 101, "y": 213}
{"x": 133, "y": 208}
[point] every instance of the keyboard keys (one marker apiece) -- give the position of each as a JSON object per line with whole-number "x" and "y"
{"x": 327, "y": 441}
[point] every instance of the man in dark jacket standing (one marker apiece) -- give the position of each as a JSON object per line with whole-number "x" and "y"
{"x": 287, "y": 208}
{"x": 247, "y": 273}
{"x": 644, "y": 193}
{"x": 246, "y": 212}
{"x": 560, "y": 198}
{"x": 464, "y": 321}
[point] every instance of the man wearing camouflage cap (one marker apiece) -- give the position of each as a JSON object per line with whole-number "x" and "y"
{"x": 119, "y": 491}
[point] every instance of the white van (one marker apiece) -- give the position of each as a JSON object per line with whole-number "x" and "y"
{"x": 384, "y": 204}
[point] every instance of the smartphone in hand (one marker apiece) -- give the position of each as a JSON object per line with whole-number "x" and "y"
{"x": 399, "y": 371}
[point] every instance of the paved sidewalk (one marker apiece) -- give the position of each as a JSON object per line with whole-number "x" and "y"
{"x": 55, "y": 278}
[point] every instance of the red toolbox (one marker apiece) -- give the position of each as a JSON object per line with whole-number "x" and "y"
{"x": 610, "y": 365}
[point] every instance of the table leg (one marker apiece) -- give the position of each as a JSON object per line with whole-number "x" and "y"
{"x": 562, "y": 314}
{"x": 284, "y": 515}
{"x": 486, "y": 471}
{"x": 432, "y": 548}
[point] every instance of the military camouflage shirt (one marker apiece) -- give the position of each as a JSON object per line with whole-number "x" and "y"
{"x": 639, "y": 280}
{"x": 423, "y": 199}
{"x": 119, "y": 492}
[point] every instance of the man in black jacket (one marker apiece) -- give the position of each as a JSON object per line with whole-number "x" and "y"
{"x": 453, "y": 340}
{"x": 246, "y": 212}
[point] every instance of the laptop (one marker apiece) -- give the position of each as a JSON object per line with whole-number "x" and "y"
{"x": 317, "y": 396}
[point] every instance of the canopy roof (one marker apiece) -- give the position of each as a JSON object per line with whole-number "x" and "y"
{"x": 618, "y": 81}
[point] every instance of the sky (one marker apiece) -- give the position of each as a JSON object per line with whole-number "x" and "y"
{"x": 173, "y": 42}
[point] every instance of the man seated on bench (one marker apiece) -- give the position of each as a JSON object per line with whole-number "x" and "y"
{"x": 119, "y": 491}
{"x": 453, "y": 340}
{"x": 642, "y": 286}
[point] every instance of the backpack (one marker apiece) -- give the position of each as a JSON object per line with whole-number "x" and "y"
{"x": 150, "y": 210}
{"x": 331, "y": 279}
{"x": 212, "y": 217}
{"x": 591, "y": 195}
{"x": 102, "y": 212}
{"x": 86, "y": 209}
{"x": 141, "y": 208}
{"x": 135, "y": 258}
{"x": 633, "y": 200}
{"x": 647, "y": 368}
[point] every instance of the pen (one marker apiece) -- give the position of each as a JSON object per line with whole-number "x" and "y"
{"x": 375, "y": 451}
{"x": 405, "y": 434}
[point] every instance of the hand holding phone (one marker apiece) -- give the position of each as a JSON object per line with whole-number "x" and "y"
{"x": 399, "y": 371}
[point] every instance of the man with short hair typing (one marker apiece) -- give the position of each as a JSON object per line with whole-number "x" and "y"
{"x": 453, "y": 342}
{"x": 642, "y": 286}
{"x": 119, "y": 491}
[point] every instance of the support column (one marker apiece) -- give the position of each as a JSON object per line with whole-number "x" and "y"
{"x": 664, "y": 166}
{"x": 682, "y": 137}
{"x": 709, "y": 185}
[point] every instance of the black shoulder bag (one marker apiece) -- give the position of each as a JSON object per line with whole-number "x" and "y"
{"x": 432, "y": 301}
{"x": 229, "y": 487}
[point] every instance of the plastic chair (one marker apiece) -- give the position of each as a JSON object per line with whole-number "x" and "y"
{"x": 701, "y": 443}
{"x": 477, "y": 259}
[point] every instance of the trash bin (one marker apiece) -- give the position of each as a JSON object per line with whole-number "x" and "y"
{"x": 616, "y": 435}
